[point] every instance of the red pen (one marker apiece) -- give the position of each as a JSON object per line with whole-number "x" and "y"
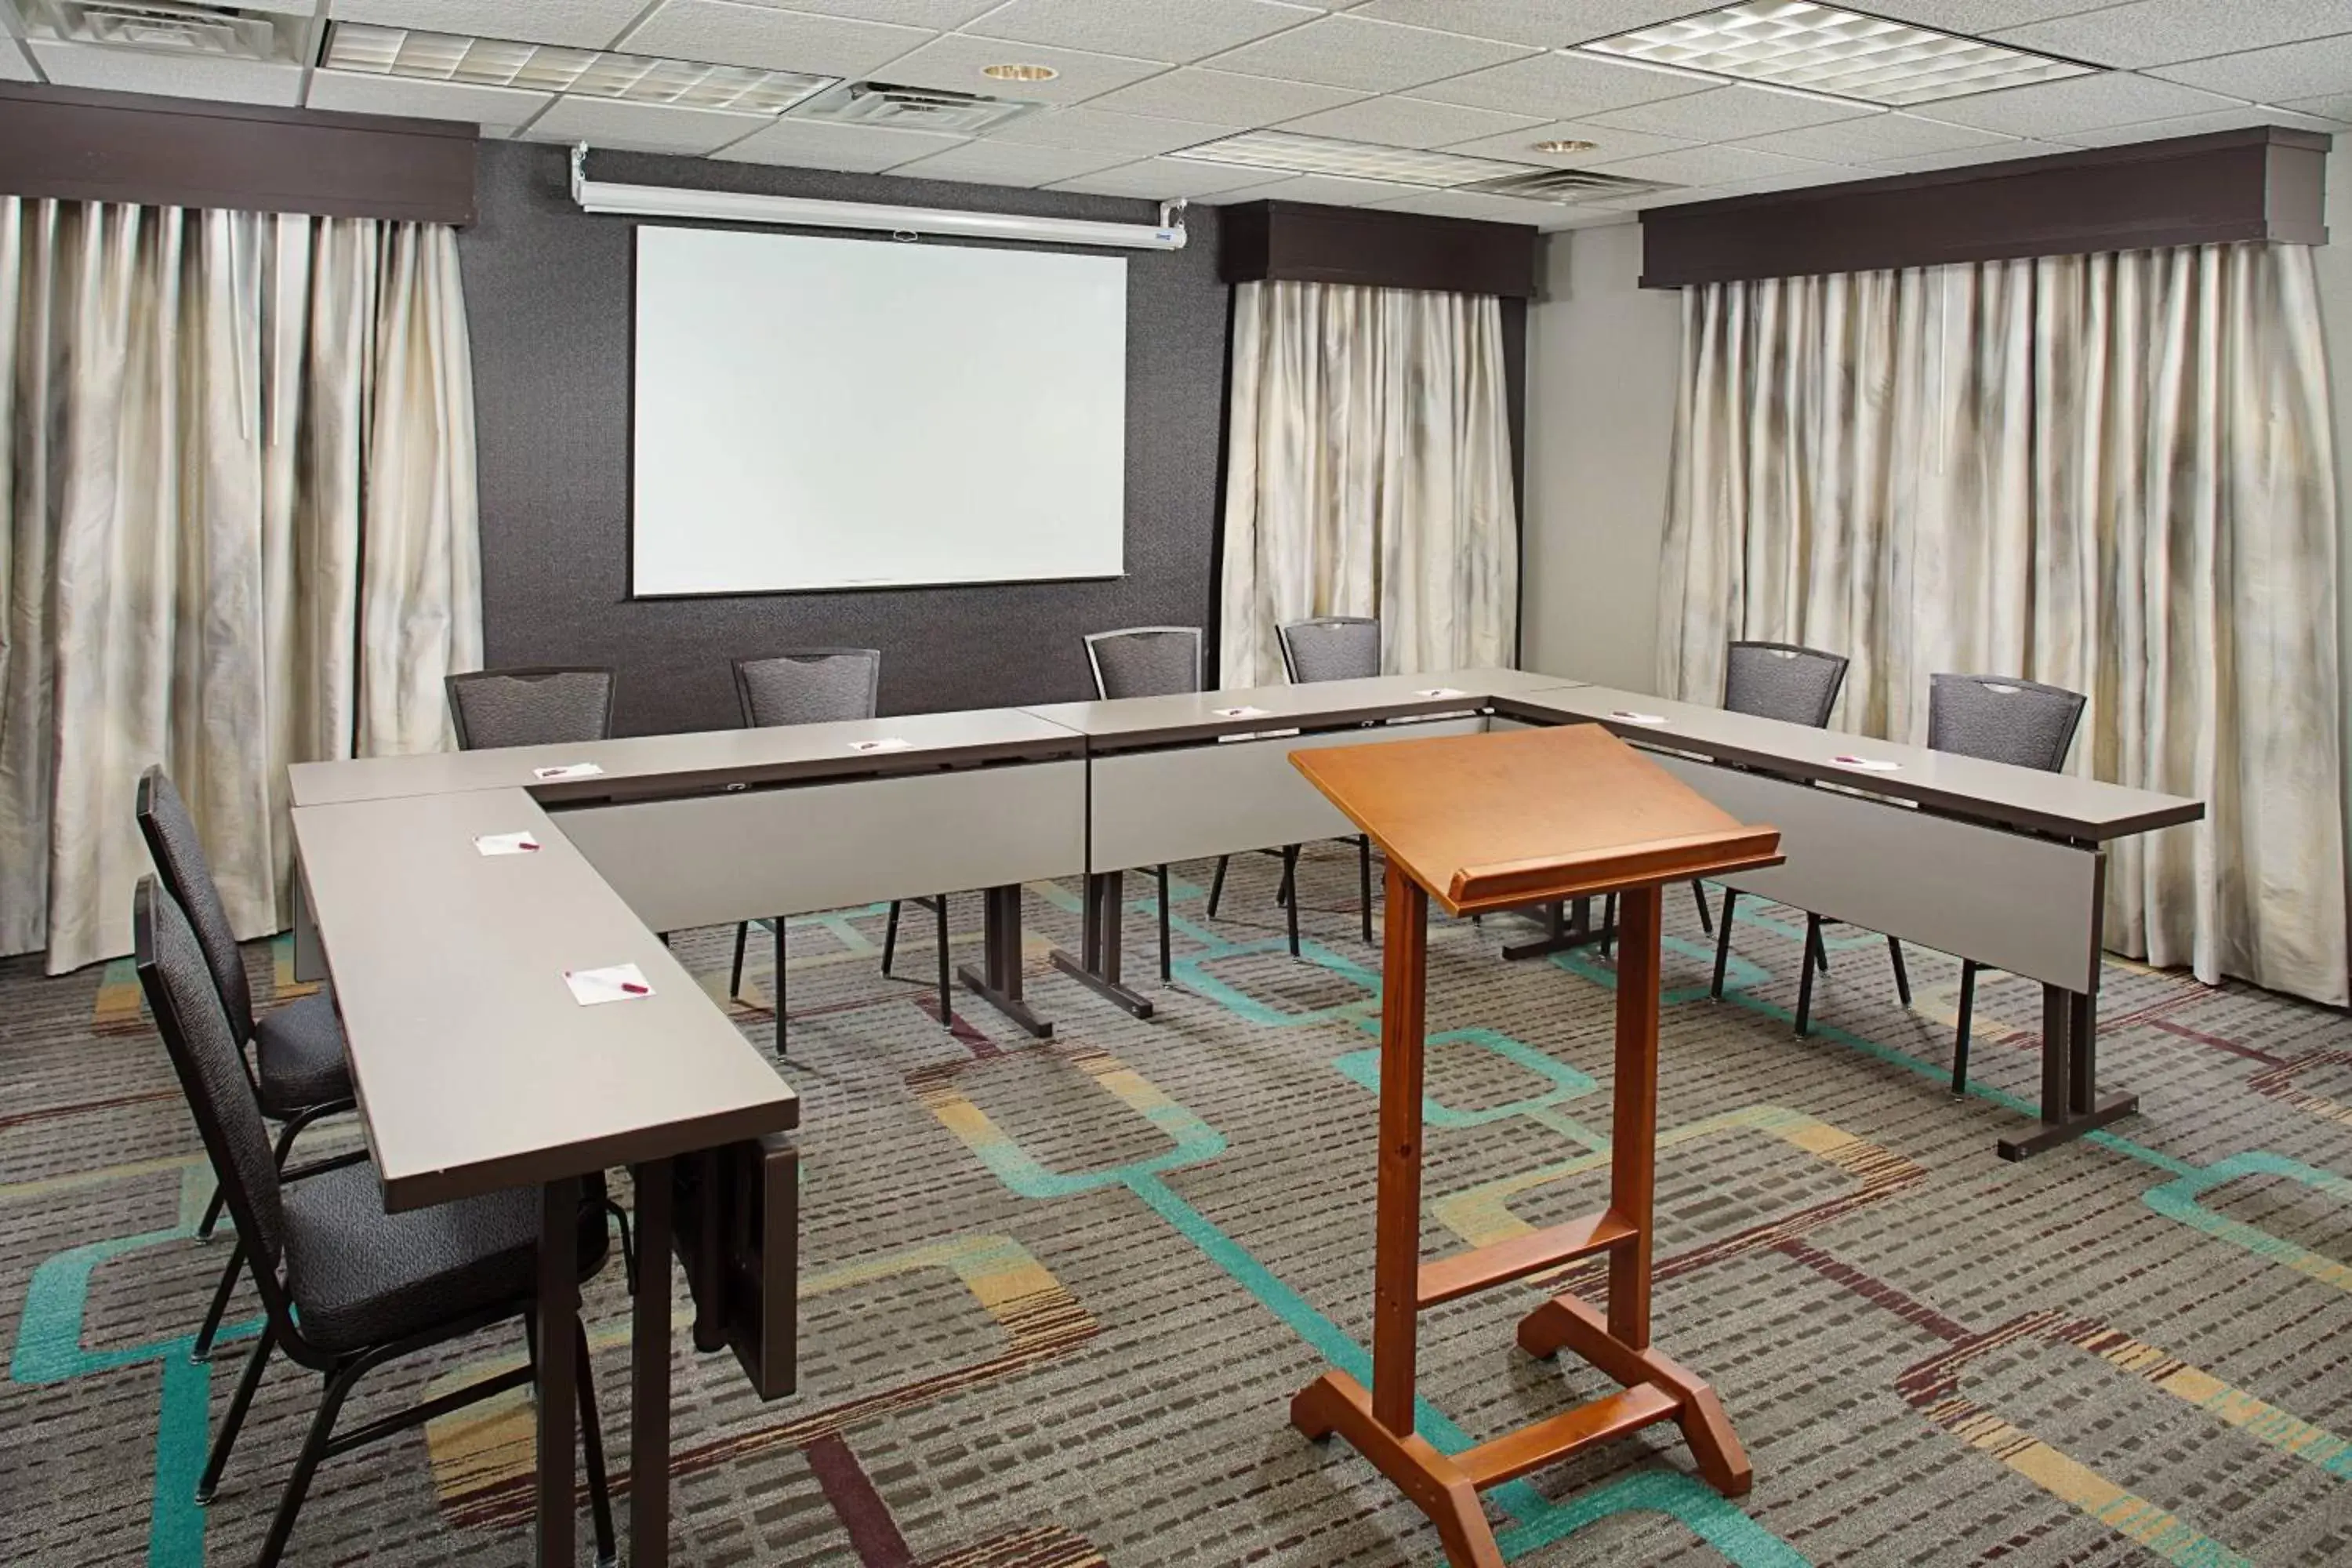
{"x": 634, "y": 989}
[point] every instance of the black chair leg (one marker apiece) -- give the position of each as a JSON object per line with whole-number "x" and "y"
{"x": 735, "y": 980}
{"x": 1290, "y": 884}
{"x": 628, "y": 1249}
{"x": 1723, "y": 941}
{"x": 225, "y": 1438}
{"x": 1217, "y": 886}
{"x": 890, "y": 938}
{"x": 946, "y": 986}
{"x": 306, "y": 1464}
{"x": 212, "y": 1214}
{"x": 1902, "y": 975}
{"x": 1805, "y": 966}
{"x": 1364, "y": 883}
{"x": 1166, "y": 974}
{"x": 1820, "y": 943}
{"x": 1608, "y": 925}
{"x": 591, "y": 1443}
{"x": 203, "y": 1348}
{"x": 780, "y": 924}
{"x": 1706, "y": 923}
{"x": 1967, "y": 1014}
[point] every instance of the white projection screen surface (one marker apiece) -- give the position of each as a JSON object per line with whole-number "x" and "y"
{"x": 825, "y": 413}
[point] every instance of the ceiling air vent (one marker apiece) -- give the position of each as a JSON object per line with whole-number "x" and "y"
{"x": 910, "y": 108}
{"x": 222, "y": 32}
{"x": 1565, "y": 185}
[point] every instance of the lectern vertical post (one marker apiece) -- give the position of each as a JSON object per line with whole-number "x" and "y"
{"x": 1633, "y": 1125}
{"x": 1396, "y": 1256}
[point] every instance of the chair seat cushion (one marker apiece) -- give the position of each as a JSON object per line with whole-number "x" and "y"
{"x": 362, "y": 1277}
{"x": 300, "y": 1050}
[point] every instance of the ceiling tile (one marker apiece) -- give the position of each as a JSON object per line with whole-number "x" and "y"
{"x": 1564, "y": 86}
{"x": 1975, "y": 18}
{"x": 937, "y": 14}
{"x": 1967, "y": 157}
{"x": 604, "y": 123}
{"x": 1469, "y": 205}
{"x": 2334, "y": 105}
{"x": 730, "y": 34}
{"x": 1168, "y": 179}
{"x": 1821, "y": 174}
{"x": 1547, "y": 24}
{"x": 858, "y": 149}
{"x": 1178, "y": 30}
{"x": 1327, "y": 190}
{"x": 1223, "y": 98}
{"x": 1377, "y": 57}
{"x": 2159, "y": 32}
{"x": 2273, "y": 75}
{"x": 497, "y": 109}
{"x": 1007, "y": 164}
{"x": 14, "y": 66}
{"x": 1726, "y": 113}
{"x": 1710, "y": 166}
{"x": 2079, "y": 103}
{"x": 584, "y": 24}
{"x": 116, "y": 69}
{"x": 2200, "y": 125}
{"x": 1872, "y": 140}
{"x": 1609, "y": 144}
{"x": 1409, "y": 123}
{"x": 956, "y": 60}
{"x": 1089, "y": 129}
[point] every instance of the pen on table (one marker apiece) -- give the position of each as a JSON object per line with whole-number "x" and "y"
{"x": 634, "y": 989}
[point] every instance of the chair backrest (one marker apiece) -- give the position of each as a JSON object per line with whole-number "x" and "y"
{"x": 1145, "y": 661}
{"x": 809, "y": 685}
{"x": 530, "y": 706}
{"x": 1781, "y": 680}
{"x": 179, "y": 857}
{"x": 1330, "y": 647}
{"x": 210, "y": 1062}
{"x": 2002, "y": 720}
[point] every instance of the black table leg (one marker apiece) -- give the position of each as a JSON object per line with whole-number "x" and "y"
{"x": 1563, "y": 930}
{"x": 649, "y": 1348}
{"x": 2071, "y": 1104}
{"x": 558, "y": 1312}
{"x": 1098, "y": 970}
{"x": 998, "y": 981}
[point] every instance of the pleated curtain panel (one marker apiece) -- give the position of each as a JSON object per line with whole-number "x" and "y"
{"x": 238, "y": 529}
{"x": 1367, "y": 473}
{"x": 2113, "y": 473}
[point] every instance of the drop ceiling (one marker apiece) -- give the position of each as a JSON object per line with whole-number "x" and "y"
{"x": 1140, "y": 89}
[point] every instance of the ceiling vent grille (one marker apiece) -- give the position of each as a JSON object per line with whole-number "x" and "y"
{"x": 219, "y": 32}
{"x": 877, "y": 103}
{"x": 1566, "y": 185}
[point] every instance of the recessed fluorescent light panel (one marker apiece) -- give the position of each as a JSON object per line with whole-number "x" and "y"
{"x": 1820, "y": 48}
{"x": 1348, "y": 159}
{"x": 542, "y": 68}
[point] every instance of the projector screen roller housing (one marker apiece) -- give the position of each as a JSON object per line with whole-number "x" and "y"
{"x": 819, "y": 413}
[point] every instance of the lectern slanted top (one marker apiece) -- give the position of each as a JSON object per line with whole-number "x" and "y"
{"x": 1493, "y": 821}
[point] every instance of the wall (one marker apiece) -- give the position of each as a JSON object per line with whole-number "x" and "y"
{"x": 548, "y": 293}
{"x": 1602, "y": 357}
{"x": 2333, "y": 261}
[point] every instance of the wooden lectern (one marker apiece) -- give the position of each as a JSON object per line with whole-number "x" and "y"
{"x": 1500, "y": 821}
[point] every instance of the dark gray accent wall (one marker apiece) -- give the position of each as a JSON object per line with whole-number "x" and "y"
{"x": 549, "y": 297}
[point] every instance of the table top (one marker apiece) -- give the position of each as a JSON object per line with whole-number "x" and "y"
{"x": 1525, "y": 816}
{"x": 637, "y": 765}
{"x": 1193, "y": 715}
{"x": 476, "y": 1067}
{"x": 1997, "y": 793}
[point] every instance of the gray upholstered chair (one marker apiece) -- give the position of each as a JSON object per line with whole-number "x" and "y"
{"x": 1797, "y": 686}
{"x": 1153, "y": 661}
{"x": 1326, "y": 648}
{"x": 2021, "y": 723}
{"x": 821, "y": 686}
{"x": 538, "y": 706}
{"x": 297, "y": 1072}
{"x": 345, "y": 1287}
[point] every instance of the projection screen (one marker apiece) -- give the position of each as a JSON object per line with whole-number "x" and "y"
{"x": 829, "y": 413}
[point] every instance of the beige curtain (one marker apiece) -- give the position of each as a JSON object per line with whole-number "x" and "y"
{"x": 236, "y": 531}
{"x": 2112, "y": 473}
{"x": 1368, "y": 472}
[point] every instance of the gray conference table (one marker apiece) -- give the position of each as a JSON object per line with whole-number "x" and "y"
{"x": 1189, "y": 776}
{"x": 2004, "y": 865}
{"x": 478, "y": 1071}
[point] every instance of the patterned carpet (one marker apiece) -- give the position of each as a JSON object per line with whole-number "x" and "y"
{"x": 1057, "y": 1296}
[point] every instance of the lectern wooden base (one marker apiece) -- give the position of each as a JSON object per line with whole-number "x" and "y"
{"x": 1639, "y": 838}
